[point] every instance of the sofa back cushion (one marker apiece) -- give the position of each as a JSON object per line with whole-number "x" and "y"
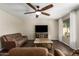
{"x": 10, "y": 39}
{"x": 30, "y": 51}
{"x": 16, "y": 36}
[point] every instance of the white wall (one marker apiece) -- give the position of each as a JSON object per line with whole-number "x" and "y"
{"x": 10, "y": 24}
{"x": 73, "y": 29}
{"x": 52, "y": 27}
{"x": 77, "y": 31}
{"x": 60, "y": 21}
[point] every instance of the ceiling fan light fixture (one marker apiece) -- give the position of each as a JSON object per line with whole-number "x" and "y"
{"x": 38, "y": 13}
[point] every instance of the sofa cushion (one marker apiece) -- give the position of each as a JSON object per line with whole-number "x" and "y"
{"x": 30, "y": 51}
{"x": 20, "y": 42}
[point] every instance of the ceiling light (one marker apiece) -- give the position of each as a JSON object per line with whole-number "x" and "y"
{"x": 38, "y": 13}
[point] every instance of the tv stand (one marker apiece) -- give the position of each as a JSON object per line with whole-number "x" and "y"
{"x": 41, "y": 35}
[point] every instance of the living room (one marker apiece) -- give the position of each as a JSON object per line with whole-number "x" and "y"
{"x": 18, "y": 24}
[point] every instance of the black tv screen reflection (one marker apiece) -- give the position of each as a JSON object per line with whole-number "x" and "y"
{"x": 41, "y": 28}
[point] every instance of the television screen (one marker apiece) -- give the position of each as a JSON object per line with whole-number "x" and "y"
{"x": 41, "y": 28}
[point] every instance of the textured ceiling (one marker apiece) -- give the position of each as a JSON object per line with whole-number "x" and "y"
{"x": 18, "y": 9}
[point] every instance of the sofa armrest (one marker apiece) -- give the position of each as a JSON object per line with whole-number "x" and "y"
{"x": 9, "y": 44}
{"x": 50, "y": 54}
{"x": 24, "y": 36}
{"x": 58, "y": 52}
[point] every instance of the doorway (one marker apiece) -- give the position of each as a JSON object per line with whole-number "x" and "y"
{"x": 66, "y": 31}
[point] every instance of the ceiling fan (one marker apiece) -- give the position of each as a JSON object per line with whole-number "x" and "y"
{"x": 39, "y": 11}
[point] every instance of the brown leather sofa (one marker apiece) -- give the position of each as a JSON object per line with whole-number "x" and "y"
{"x": 9, "y": 41}
{"x": 30, "y": 51}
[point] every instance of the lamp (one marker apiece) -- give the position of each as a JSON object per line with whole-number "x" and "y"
{"x": 38, "y": 13}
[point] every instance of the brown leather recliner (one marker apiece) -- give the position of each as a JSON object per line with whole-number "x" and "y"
{"x": 9, "y": 41}
{"x": 58, "y": 52}
{"x": 29, "y": 51}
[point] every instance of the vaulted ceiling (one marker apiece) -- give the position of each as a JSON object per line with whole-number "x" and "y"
{"x": 18, "y": 9}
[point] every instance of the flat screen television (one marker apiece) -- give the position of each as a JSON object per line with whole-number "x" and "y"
{"x": 41, "y": 28}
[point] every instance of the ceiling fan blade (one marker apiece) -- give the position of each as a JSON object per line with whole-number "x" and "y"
{"x": 29, "y": 12}
{"x": 44, "y": 13}
{"x": 31, "y": 6}
{"x": 46, "y": 7}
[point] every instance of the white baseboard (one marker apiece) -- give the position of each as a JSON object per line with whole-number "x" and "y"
{"x": 66, "y": 44}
